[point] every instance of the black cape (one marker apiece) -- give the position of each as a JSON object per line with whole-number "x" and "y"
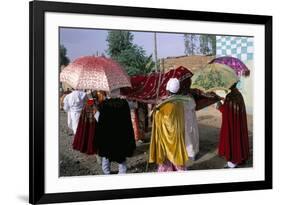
{"x": 114, "y": 132}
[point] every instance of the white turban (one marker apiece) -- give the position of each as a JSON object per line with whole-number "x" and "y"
{"x": 173, "y": 85}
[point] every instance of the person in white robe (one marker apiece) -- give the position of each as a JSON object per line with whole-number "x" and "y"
{"x": 191, "y": 125}
{"x": 73, "y": 105}
{"x": 191, "y": 128}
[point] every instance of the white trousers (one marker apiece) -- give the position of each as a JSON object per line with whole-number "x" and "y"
{"x": 73, "y": 120}
{"x": 105, "y": 163}
{"x": 231, "y": 165}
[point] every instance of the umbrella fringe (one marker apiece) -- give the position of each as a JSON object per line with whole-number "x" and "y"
{"x": 209, "y": 90}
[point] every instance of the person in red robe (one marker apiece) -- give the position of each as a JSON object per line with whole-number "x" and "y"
{"x": 135, "y": 121}
{"x": 234, "y": 141}
{"x": 85, "y": 135}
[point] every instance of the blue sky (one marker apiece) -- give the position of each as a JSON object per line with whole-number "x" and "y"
{"x": 83, "y": 42}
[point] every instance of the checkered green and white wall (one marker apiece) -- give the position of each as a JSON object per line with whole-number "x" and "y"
{"x": 242, "y": 48}
{"x": 238, "y": 47}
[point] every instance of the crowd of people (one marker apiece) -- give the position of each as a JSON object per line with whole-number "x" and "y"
{"x": 93, "y": 115}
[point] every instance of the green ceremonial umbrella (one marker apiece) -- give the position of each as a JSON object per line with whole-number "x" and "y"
{"x": 214, "y": 77}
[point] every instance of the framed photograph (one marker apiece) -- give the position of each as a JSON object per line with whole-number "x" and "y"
{"x": 130, "y": 102}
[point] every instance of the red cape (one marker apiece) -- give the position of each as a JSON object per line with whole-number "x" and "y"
{"x": 234, "y": 141}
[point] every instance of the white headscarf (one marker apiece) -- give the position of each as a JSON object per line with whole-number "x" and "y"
{"x": 173, "y": 85}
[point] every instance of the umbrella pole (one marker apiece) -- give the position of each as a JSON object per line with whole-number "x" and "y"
{"x": 159, "y": 79}
{"x": 148, "y": 152}
{"x": 156, "y": 66}
{"x": 147, "y": 162}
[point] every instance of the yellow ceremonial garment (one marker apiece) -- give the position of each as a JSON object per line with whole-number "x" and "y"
{"x": 167, "y": 136}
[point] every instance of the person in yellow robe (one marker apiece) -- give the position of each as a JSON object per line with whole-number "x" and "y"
{"x": 167, "y": 147}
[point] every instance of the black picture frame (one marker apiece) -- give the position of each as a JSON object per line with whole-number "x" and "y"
{"x": 37, "y": 97}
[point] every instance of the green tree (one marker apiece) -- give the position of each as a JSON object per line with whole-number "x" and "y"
{"x": 189, "y": 44}
{"x": 208, "y": 44}
{"x": 204, "y": 44}
{"x": 212, "y": 40}
{"x": 132, "y": 57}
{"x": 119, "y": 41}
{"x": 63, "y": 59}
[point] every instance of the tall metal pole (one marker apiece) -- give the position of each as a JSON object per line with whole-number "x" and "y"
{"x": 156, "y": 67}
{"x": 155, "y": 52}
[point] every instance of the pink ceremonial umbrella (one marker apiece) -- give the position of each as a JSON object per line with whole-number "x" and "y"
{"x": 236, "y": 64}
{"x": 97, "y": 73}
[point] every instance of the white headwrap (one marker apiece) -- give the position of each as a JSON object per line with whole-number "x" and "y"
{"x": 173, "y": 85}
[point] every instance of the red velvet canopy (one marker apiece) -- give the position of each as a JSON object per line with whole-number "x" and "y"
{"x": 145, "y": 87}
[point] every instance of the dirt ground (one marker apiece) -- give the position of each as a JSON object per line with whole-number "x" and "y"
{"x": 74, "y": 163}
